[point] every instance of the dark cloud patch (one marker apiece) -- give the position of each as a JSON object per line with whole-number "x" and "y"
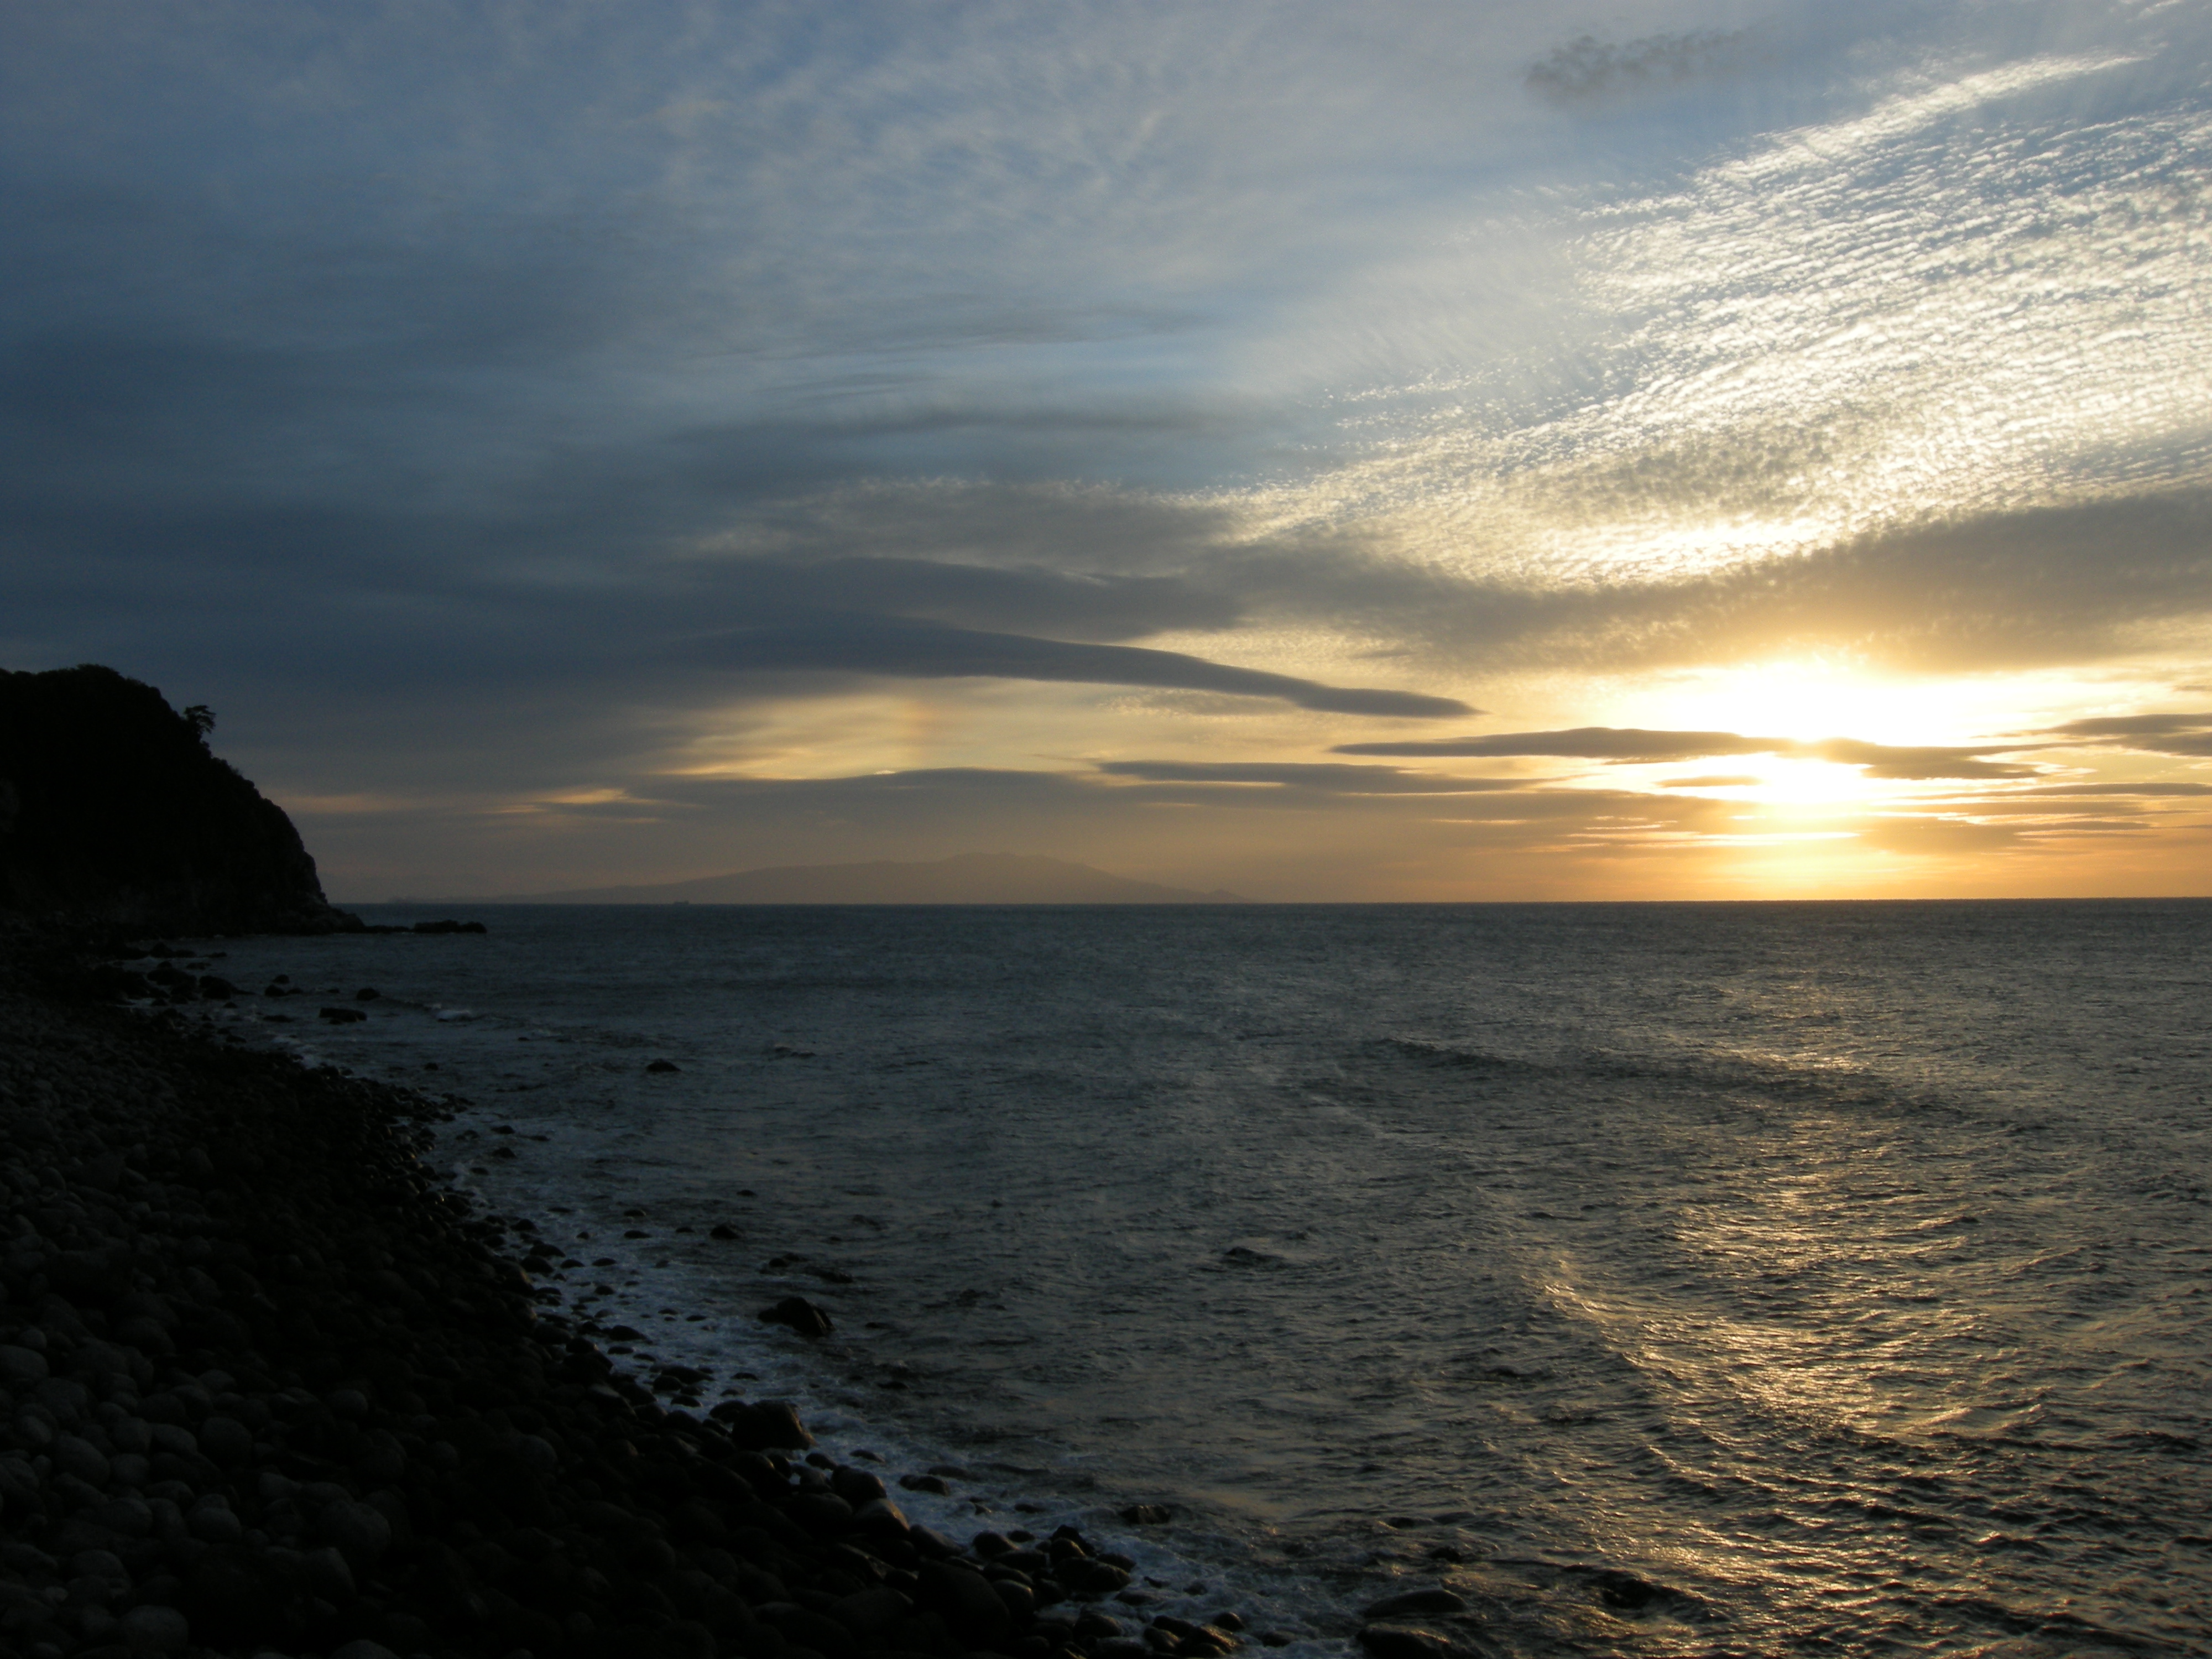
{"x": 1626, "y": 745}
{"x": 1082, "y": 606}
{"x": 1883, "y": 761}
{"x": 1613, "y": 743}
{"x": 1321, "y": 778}
{"x": 860, "y": 644}
{"x": 2157, "y": 734}
{"x": 1587, "y": 70}
{"x": 2019, "y": 589}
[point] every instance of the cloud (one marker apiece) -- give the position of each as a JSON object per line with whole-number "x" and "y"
{"x": 1630, "y": 744}
{"x": 1085, "y": 606}
{"x": 1886, "y": 760}
{"x": 1939, "y": 836}
{"x": 859, "y": 644}
{"x": 2157, "y": 734}
{"x": 2105, "y": 791}
{"x": 1319, "y": 778}
{"x": 1584, "y": 743}
{"x": 470, "y": 408}
{"x": 1587, "y": 70}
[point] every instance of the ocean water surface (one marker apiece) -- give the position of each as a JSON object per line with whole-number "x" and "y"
{"x": 1664, "y": 1279}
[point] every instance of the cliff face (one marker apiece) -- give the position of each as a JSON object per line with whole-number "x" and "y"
{"x": 114, "y": 812}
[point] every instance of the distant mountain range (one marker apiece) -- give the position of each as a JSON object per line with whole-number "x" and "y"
{"x": 969, "y": 878}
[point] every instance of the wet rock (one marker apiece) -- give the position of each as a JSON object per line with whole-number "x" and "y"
{"x": 856, "y": 1487}
{"x": 1147, "y": 1515}
{"x": 820, "y": 1511}
{"x": 965, "y": 1600}
{"x": 882, "y": 1519}
{"x": 663, "y": 1065}
{"x": 342, "y": 1016}
{"x": 1624, "y": 1592}
{"x": 723, "y": 1232}
{"x": 1416, "y": 1603}
{"x": 21, "y": 1367}
{"x": 931, "y": 1544}
{"x": 800, "y": 1315}
{"x": 872, "y": 1615}
{"x": 764, "y": 1426}
{"x": 1081, "y": 1577}
{"x": 1406, "y": 1642}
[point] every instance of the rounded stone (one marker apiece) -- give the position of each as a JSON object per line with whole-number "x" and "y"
{"x": 146, "y": 1333}
{"x": 226, "y": 1440}
{"x": 537, "y": 1452}
{"x": 99, "y": 1563}
{"x": 360, "y": 1531}
{"x": 73, "y": 1455}
{"x": 328, "y": 1576}
{"x": 153, "y": 1629}
{"x": 214, "y": 1523}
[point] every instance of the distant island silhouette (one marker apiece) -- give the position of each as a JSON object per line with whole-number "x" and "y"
{"x": 967, "y": 878}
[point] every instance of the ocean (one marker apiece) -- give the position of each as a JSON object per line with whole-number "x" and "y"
{"x": 1662, "y": 1280}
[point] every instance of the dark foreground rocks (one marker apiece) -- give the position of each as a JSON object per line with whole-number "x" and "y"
{"x": 266, "y": 1387}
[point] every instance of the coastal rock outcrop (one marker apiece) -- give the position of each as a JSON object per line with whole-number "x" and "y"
{"x": 115, "y": 814}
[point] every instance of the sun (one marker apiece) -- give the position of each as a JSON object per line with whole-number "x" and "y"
{"x": 1809, "y": 698}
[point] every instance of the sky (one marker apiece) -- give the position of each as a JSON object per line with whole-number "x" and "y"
{"x": 1453, "y": 451}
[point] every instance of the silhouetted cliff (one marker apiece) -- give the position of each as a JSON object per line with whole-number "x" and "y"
{"x": 112, "y": 812}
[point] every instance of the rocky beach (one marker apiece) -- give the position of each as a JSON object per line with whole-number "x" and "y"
{"x": 272, "y": 1387}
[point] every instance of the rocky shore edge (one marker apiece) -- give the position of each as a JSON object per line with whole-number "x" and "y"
{"x": 271, "y": 1387}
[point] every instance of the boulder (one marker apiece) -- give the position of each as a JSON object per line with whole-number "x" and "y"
{"x": 764, "y": 1426}
{"x": 800, "y": 1315}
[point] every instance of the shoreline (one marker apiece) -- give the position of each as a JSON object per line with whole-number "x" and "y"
{"x": 275, "y": 1388}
